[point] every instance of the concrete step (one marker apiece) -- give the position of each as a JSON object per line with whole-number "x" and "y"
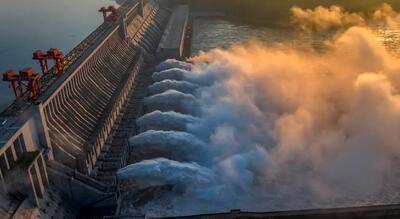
{"x": 114, "y": 154}
{"x": 112, "y": 159}
{"x": 108, "y": 171}
{"x": 107, "y": 179}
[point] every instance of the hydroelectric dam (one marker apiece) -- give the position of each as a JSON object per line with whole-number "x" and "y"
{"x": 65, "y": 136}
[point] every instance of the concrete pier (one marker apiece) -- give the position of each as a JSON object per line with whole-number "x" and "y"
{"x": 172, "y": 44}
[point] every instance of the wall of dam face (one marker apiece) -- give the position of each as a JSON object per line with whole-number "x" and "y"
{"x": 80, "y": 113}
{"x": 112, "y": 72}
{"x": 58, "y": 139}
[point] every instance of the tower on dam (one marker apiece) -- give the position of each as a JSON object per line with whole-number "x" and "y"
{"x": 66, "y": 134}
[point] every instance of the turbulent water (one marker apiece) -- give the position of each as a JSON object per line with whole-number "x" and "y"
{"x": 217, "y": 32}
{"x": 273, "y": 119}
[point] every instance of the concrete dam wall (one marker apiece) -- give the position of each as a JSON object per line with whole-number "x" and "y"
{"x": 83, "y": 107}
{"x": 69, "y": 142}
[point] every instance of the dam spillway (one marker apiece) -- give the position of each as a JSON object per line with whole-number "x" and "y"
{"x": 60, "y": 153}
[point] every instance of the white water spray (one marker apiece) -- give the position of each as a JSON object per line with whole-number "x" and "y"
{"x": 162, "y": 171}
{"x": 179, "y": 145}
{"x": 281, "y": 128}
{"x": 172, "y": 63}
{"x": 176, "y": 74}
{"x": 181, "y": 86}
{"x": 166, "y": 121}
{"x": 172, "y": 100}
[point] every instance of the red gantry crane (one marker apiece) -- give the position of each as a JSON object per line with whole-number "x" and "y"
{"x": 58, "y": 57}
{"x": 42, "y": 58}
{"x": 112, "y": 10}
{"x": 104, "y": 11}
{"x": 12, "y": 77}
{"x": 27, "y": 79}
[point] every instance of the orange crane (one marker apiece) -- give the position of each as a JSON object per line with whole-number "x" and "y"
{"x": 31, "y": 81}
{"x": 114, "y": 12}
{"x": 42, "y": 58}
{"x": 27, "y": 79}
{"x": 58, "y": 57}
{"x": 12, "y": 77}
{"x": 112, "y": 9}
{"x": 104, "y": 11}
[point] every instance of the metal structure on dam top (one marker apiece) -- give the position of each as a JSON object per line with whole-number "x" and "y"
{"x": 65, "y": 136}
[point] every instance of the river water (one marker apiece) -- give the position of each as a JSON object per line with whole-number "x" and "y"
{"x": 217, "y": 32}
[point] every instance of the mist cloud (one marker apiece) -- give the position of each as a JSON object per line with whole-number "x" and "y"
{"x": 323, "y": 19}
{"x": 171, "y": 120}
{"x": 181, "y": 86}
{"x": 386, "y": 15}
{"x": 286, "y": 128}
{"x": 335, "y": 17}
